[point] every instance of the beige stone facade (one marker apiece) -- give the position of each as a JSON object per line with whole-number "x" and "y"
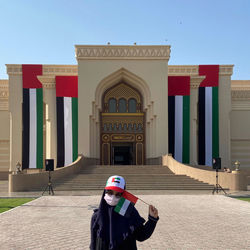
{"x": 5, "y": 126}
{"x": 240, "y": 122}
{"x": 144, "y": 68}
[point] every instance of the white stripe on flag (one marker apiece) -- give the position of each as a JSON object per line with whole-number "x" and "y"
{"x": 68, "y": 130}
{"x": 178, "y": 128}
{"x": 208, "y": 126}
{"x": 124, "y": 207}
{"x": 33, "y": 132}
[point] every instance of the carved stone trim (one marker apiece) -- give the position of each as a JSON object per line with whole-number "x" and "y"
{"x": 48, "y": 82}
{"x": 161, "y": 52}
{"x": 183, "y": 70}
{"x": 241, "y": 104}
{"x": 4, "y": 94}
{"x": 194, "y": 70}
{"x": 226, "y": 70}
{"x": 16, "y": 69}
{"x": 4, "y": 105}
{"x": 240, "y": 94}
{"x": 240, "y": 85}
{"x": 195, "y": 81}
{"x": 60, "y": 69}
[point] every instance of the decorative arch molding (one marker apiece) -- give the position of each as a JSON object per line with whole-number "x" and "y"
{"x": 122, "y": 75}
{"x": 128, "y": 77}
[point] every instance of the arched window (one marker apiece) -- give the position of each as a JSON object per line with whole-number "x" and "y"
{"x": 132, "y": 106}
{"x": 122, "y": 106}
{"x": 112, "y": 105}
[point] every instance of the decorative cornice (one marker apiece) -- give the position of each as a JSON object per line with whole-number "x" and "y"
{"x": 226, "y": 70}
{"x": 47, "y": 81}
{"x": 240, "y": 85}
{"x": 134, "y": 52}
{"x": 183, "y": 70}
{"x": 16, "y": 69}
{"x": 60, "y": 70}
{"x": 4, "y": 94}
{"x": 4, "y": 89}
{"x": 195, "y": 81}
{"x": 240, "y": 94}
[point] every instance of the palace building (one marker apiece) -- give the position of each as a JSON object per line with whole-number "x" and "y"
{"x": 123, "y": 105}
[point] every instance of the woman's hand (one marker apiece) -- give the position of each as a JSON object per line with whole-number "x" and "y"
{"x": 153, "y": 211}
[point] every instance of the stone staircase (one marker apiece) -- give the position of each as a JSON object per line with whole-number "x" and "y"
{"x": 147, "y": 177}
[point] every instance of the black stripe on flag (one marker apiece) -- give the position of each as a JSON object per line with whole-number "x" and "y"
{"x": 26, "y": 128}
{"x": 201, "y": 122}
{"x": 171, "y": 124}
{"x": 60, "y": 131}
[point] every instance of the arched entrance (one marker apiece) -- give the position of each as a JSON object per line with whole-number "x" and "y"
{"x": 122, "y": 126}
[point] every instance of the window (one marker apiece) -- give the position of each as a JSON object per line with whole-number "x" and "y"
{"x": 112, "y": 105}
{"x": 132, "y": 106}
{"x": 122, "y": 106}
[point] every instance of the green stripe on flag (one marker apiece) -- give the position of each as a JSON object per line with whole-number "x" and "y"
{"x": 119, "y": 205}
{"x": 215, "y": 122}
{"x": 39, "y": 109}
{"x": 75, "y": 128}
{"x": 186, "y": 129}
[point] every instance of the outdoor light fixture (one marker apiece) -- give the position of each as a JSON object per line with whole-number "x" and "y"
{"x": 237, "y": 165}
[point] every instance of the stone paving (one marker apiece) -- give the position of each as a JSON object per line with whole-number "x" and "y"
{"x": 186, "y": 222}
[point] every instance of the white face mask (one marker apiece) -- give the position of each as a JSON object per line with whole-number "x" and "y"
{"x": 112, "y": 200}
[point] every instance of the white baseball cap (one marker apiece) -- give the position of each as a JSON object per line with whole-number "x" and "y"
{"x": 116, "y": 183}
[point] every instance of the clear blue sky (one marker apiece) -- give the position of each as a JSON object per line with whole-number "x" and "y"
{"x": 199, "y": 31}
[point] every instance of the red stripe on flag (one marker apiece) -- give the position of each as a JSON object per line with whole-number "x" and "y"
{"x": 66, "y": 86}
{"x": 178, "y": 85}
{"x": 212, "y": 75}
{"x": 129, "y": 197}
{"x": 30, "y": 73}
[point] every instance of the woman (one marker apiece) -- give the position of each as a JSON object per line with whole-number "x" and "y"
{"x": 110, "y": 230}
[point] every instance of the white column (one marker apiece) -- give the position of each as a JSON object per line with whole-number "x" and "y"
{"x": 194, "y": 87}
{"x": 49, "y": 97}
{"x": 193, "y": 126}
{"x": 15, "y": 108}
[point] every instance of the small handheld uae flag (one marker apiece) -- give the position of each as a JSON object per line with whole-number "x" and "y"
{"x": 125, "y": 204}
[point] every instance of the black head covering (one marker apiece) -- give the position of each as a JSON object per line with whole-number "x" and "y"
{"x": 112, "y": 227}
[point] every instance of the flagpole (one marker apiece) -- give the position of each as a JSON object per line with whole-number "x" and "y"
{"x": 143, "y": 201}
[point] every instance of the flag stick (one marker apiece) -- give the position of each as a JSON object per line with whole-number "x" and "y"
{"x": 143, "y": 201}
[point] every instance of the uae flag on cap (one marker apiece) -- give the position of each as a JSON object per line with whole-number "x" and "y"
{"x": 67, "y": 119}
{"x": 32, "y": 112}
{"x": 125, "y": 204}
{"x": 208, "y": 115}
{"x": 179, "y": 117}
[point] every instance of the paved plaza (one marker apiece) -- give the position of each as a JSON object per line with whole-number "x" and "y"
{"x": 186, "y": 222}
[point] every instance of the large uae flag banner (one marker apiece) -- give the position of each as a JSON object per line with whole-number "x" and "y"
{"x": 208, "y": 115}
{"x": 67, "y": 119}
{"x": 179, "y": 117}
{"x": 32, "y": 134}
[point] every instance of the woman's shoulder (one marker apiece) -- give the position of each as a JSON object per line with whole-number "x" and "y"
{"x": 95, "y": 212}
